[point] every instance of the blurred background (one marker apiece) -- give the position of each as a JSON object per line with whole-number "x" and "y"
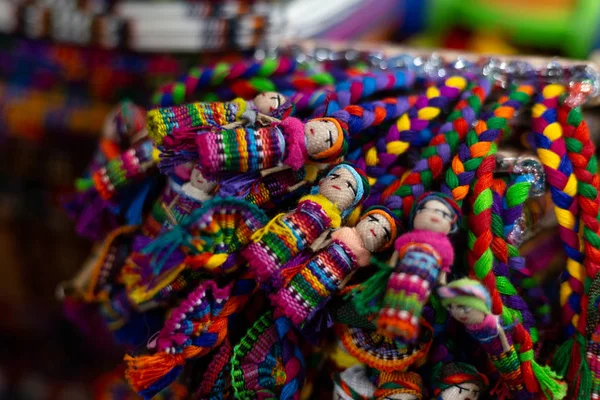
{"x": 65, "y": 63}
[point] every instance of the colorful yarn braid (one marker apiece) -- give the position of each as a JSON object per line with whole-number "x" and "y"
{"x": 267, "y": 363}
{"x": 581, "y": 152}
{"x": 506, "y": 256}
{"x": 401, "y": 194}
{"x": 199, "y": 78}
{"x": 414, "y": 126}
{"x": 319, "y": 91}
{"x": 165, "y": 121}
{"x": 480, "y": 256}
{"x": 476, "y": 160}
{"x": 183, "y": 339}
{"x": 513, "y": 209}
{"x": 326, "y": 102}
{"x": 300, "y": 81}
{"x": 552, "y": 151}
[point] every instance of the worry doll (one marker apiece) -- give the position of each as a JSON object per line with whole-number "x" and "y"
{"x": 469, "y": 302}
{"x": 163, "y": 122}
{"x": 286, "y": 235}
{"x": 289, "y": 143}
{"x": 312, "y": 283}
{"x": 423, "y": 257}
{"x": 457, "y": 381}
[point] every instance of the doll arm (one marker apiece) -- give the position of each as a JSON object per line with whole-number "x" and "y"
{"x": 442, "y": 279}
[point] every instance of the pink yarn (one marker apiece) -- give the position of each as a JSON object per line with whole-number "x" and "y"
{"x": 351, "y": 238}
{"x": 295, "y": 142}
{"x": 438, "y": 241}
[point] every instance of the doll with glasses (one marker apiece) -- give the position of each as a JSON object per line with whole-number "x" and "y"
{"x": 422, "y": 259}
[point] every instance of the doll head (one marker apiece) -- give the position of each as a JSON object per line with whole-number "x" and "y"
{"x": 345, "y": 186}
{"x": 126, "y": 123}
{"x": 378, "y": 228}
{"x": 267, "y": 102}
{"x": 457, "y": 381}
{"x": 467, "y": 300}
{"x": 435, "y": 212}
{"x": 199, "y": 181}
{"x": 399, "y": 386}
{"x": 352, "y": 383}
{"x": 326, "y": 139}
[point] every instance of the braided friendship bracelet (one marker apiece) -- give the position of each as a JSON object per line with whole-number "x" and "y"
{"x": 401, "y": 194}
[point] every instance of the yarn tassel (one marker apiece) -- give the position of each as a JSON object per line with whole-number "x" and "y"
{"x": 148, "y": 375}
{"x": 549, "y": 381}
{"x": 368, "y": 295}
{"x": 169, "y": 160}
{"x": 570, "y": 361}
{"x": 238, "y": 185}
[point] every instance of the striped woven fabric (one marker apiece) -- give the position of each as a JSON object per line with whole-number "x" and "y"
{"x": 240, "y": 150}
{"x": 312, "y": 286}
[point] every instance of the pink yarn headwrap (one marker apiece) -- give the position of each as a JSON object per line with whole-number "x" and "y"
{"x": 296, "y": 153}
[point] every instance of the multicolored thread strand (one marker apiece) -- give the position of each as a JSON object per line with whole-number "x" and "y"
{"x": 581, "y": 152}
{"x": 552, "y": 152}
{"x": 414, "y": 126}
{"x": 401, "y": 194}
{"x": 199, "y": 78}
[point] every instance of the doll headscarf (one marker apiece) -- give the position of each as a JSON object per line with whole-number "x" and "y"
{"x": 390, "y": 217}
{"x": 391, "y": 383}
{"x": 339, "y": 148}
{"x": 445, "y": 376}
{"x": 449, "y": 201}
{"x": 466, "y": 292}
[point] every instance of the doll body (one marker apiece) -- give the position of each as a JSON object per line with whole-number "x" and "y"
{"x": 425, "y": 256}
{"x": 289, "y": 234}
{"x": 289, "y": 143}
{"x": 326, "y": 272}
{"x": 169, "y": 120}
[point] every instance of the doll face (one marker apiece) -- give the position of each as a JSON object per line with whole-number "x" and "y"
{"x": 375, "y": 231}
{"x": 339, "y": 187}
{"x": 198, "y": 181}
{"x": 320, "y": 136}
{"x": 462, "y": 391}
{"x": 466, "y": 315}
{"x": 434, "y": 216}
{"x": 109, "y": 129}
{"x": 268, "y": 102}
